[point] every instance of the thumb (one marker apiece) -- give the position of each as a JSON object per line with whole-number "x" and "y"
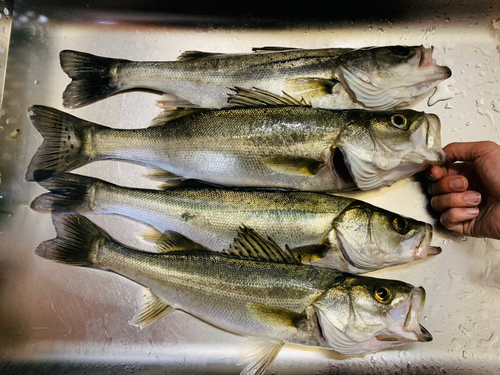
{"x": 466, "y": 151}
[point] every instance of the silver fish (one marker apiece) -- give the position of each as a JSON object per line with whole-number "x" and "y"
{"x": 379, "y": 78}
{"x": 259, "y": 292}
{"x": 325, "y": 230}
{"x": 278, "y": 146}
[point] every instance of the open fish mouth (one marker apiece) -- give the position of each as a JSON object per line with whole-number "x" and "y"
{"x": 424, "y": 62}
{"x": 423, "y": 57}
{"x": 427, "y": 143}
{"x": 406, "y": 318}
{"x": 424, "y": 249}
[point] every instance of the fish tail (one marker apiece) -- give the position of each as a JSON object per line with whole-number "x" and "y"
{"x": 92, "y": 78}
{"x": 77, "y": 241}
{"x": 64, "y": 143}
{"x": 68, "y": 193}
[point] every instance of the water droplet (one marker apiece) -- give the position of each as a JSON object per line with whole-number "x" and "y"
{"x": 1, "y": 128}
{"x": 454, "y": 130}
{"x": 483, "y": 314}
{"x": 447, "y": 19}
{"x": 479, "y": 102}
{"x": 42, "y": 18}
{"x": 36, "y": 82}
{"x": 468, "y": 123}
{"x": 462, "y": 139}
{"x": 5, "y": 11}
{"x": 448, "y": 106}
{"x": 465, "y": 355}
{"x": 456, "y": 344}
{"x": 2, "y": 49}
{"x": 380, "y": 30}
{"x": 7, "y": 121}
{"x": 4, "y": 30}
{"x": 482, "y": 74}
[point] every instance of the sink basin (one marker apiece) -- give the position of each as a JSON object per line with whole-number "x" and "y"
{"x": 59, "y": 319}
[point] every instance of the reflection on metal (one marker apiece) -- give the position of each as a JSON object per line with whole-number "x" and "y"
{"x": 68, "y": 319}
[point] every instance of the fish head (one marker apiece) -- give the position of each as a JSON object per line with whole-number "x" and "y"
{"x": 380, "y": 148}
{"x": 371, "y": 238}
{"x": 364, "y": 314}
{"x": 389, "y": 77}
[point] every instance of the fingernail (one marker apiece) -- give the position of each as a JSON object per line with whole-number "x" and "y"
{"x": 473, "y": 198}
{"x": 430, "y": 175}
{"x": 457, "y": 183}
{"x": 472, "y": 211}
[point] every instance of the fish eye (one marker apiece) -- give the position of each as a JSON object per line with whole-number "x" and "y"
{"x": 401, "y": 50}
{"x": 401, "y": 225}
{"x": 382, "y": 294}
{"x": 399, "y": 121}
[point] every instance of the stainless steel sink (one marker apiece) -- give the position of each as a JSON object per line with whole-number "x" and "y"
{"x": 58, "y": 319}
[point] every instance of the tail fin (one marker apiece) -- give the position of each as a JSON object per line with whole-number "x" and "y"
{"x": 76, "y": 240}
{"x": 93, "y": 78}
{"x": 63, "y": 140}
{"x": 68, "y": 192}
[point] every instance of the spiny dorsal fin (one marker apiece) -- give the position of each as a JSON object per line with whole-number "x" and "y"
{"x": 195, "y": 55}
{"x": 171, "y": 241}
{"x": 259, "y": 98}
{"x": 272, "y": 49}
{"x": 248, "y": 243}
{"x": 151, "y": 308}
{"x": 170, "y": 113}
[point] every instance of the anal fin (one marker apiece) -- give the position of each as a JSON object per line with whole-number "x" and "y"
{"x": 159, "y": 174}
{"x": 151, "y": 308}
{"x": 258, "y": 354}
{"x": 169, "y": 102}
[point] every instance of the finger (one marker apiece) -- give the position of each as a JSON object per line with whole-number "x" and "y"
{"x": 465, "y": 199}
{"x": 455, "y": 218}
{"x": 448, "y": 184}
{"x": 436, "y": 172}
{"x": 465, "y": 151}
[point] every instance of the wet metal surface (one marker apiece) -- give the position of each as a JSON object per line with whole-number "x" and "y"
{"x": 55, "y": 318}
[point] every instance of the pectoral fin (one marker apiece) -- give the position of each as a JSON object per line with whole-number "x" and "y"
{"x": 309, "y": 88}
{"x": 276, "y": 316}
{"x": 151, "y": 308}
{"x": 294, "y": 165}
{"x": 311, "y": 253}
{"x": 158, "y": 174}
{"x": 258, "y": 354}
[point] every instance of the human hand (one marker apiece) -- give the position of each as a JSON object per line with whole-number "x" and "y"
{"x": 468, "y": 193}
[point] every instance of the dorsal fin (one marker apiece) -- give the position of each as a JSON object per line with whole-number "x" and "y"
{"x": 248, "y": 243}
{"x": 171, "y": 241}
{"x": 172, "y": 114}
{"x": 258, "y": 98}
{"x": 195, "y": 55}
{"x": 272, "y": 49}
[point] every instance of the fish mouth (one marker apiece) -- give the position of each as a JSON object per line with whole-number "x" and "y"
{"x": 427, "y": 140}
{"x": 406, "y": 318}
{"x": 424, "y": 62}
{"x": 424, "y": 249}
